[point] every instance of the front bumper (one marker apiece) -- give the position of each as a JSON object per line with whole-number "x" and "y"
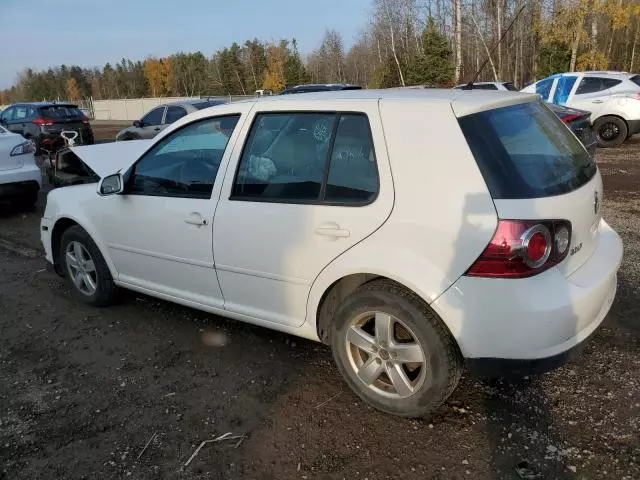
{"x": 537, "y": 322}
{"x": 46, "y": 227}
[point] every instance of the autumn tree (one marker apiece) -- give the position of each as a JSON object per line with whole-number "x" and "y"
{"x": 159, "y": 75}
{"x": 73, "y": 90}
{"x": 274, "y": 77}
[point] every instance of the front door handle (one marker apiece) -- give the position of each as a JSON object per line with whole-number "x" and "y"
{"x": 598, "y": 101}
{"x": 332, "y": 231}
{"x": 195, "y": 218}
{"x": 157, "y": 129}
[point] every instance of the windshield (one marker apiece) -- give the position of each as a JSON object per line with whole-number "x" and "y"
{"x": 524, "y": 151}
{"x": 60, "y": 111}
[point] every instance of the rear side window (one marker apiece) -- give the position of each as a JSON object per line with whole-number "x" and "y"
{"x": 596, "y": 84}
{"x": 306, "y": 157}
{"x": 636, "y": 79}
{"x": 509, "y": 86}
{"x": 523, "y": 151}
{"x": 61, "y": 111}
{"x": 543, "y": 87}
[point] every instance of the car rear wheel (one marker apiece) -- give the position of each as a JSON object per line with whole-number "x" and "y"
{"x": 85, "y": 268}
{"x": 610, "y": 131}
{"x": 28, "y": 199}
{"x": 393, "y": 351}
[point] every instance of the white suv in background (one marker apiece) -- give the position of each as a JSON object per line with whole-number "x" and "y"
{"x": 613, "y": 98}
{"x": 411, "y": 230}
{"x": 502, "y": 86}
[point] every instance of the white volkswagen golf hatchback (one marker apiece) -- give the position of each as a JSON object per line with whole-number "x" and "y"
{"x": 414, "y": 231}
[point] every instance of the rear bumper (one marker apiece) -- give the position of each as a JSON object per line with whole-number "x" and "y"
{"x": 537, "y": 322}
{"x": 16, "y": 182}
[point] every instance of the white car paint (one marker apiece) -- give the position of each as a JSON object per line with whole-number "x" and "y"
{"x": 622, "y": 100}
{"x": 271, "y": 263}
{"x": 16, "y": 169}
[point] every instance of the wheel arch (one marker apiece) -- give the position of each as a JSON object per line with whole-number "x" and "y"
{"x": 61, "y": 225}
{"x": 615, "y": 115}
{"x": 344, "y": 286}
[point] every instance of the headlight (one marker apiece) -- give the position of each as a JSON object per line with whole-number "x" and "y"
{"x": 22, "y": 149}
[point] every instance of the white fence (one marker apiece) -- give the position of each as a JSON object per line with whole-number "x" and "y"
{"x": 135, "y": 108}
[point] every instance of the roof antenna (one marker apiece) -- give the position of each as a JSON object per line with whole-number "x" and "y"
{"x": 469, "y": 86}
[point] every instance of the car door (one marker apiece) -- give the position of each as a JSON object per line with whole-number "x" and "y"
{"x": 152, "y": 123}
{"x": 592, "y": 94}
{"x": 306, "y": 186}
{"x": 18, "y": 120}
{"x": 159, "y": 231}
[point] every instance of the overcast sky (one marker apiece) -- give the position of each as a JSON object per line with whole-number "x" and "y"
{"x": 44, "y": 33}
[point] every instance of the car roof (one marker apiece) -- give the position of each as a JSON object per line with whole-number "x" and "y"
{"x": 602, "y": 74}
{"x": 45, "y": 104}
{"x": 464, "y": 102}
{"x": 196, "y": 101}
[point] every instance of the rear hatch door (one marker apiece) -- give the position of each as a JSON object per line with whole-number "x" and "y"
{"x": 536, "y": 169}
{"x": 65, "y": 117}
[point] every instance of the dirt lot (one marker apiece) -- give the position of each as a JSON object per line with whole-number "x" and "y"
{"x": 131, "y": 391}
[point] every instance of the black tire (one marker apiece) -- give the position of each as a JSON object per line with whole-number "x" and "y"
{"x": 28, "y": 199}
{"x": 106, "y": 292}
{"x": 610, "y": 131}
{"x": 443, "y": 366}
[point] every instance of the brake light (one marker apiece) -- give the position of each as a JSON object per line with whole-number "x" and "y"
{"x": 43, "y": 122}
{"x": 570, "y": 118}
{"x": 523, "y": 248}
{"x": 85, "y": 119}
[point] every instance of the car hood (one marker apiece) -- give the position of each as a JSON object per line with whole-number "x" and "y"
{"x": 107, "y": 158}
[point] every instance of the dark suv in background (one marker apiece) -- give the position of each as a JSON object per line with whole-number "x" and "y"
{"x": 43, "y": 123}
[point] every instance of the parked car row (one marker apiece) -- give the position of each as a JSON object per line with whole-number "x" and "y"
{"x": 334, "y": 218}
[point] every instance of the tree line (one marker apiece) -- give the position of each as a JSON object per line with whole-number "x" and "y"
{"x": 406, "y": 42}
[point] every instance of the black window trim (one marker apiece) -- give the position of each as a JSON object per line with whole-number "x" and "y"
{"x": 320, "y": 200}
{"x": 130, "y": 172}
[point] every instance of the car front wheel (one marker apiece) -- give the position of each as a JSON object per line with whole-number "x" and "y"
{"x": 85, "y": 268}
{"x": 393, "y": 351}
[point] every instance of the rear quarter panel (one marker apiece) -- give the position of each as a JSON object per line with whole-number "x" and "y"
{"x": 443, "y": 215}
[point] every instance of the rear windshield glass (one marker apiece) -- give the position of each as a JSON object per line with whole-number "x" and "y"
{"x": 524, "y": 151}
{"x": 60, "y": 111}
{"x": 636, "y": 79}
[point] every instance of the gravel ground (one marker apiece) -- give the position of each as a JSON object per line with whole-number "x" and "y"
{"x": 83, "y": 391}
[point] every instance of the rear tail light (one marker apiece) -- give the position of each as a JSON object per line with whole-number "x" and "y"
{"x": 523, "y": 248}
{"x": 85, "y": 120}
{"x": 43, "y": 122}
{"x": 571, "y": 117}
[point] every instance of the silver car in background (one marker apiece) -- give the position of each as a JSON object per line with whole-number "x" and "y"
{"x": 162, "y": 116}
{"x": 613, "y": 98}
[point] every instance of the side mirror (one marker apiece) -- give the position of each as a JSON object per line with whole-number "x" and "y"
{"x": 111, "y": 185}
{"x": 138, "y": 124}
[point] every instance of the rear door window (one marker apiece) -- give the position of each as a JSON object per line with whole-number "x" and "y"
{"x": 174, "y": 114}
{"x": 523, "y": 151}
{"x": 565, "y": 84}
{"x": 596, "y": 84}
{"x": 509, "y": 86}
{"x": 636, "y": 79}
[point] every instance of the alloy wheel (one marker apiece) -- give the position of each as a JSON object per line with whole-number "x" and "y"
{"x": 385, "y": 355}
{"x": 81, "y": 268}
{"x": 609, "y": 131}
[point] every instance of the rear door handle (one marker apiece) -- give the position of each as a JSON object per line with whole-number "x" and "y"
{"x": 332, "y": 231}
{"x": 598, "y": 101}
{"x": 195, "y": 218}
{"x": 157, "y": 129}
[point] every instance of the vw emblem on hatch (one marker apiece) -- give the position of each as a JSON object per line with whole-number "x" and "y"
{"x": 596, "y": 202}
